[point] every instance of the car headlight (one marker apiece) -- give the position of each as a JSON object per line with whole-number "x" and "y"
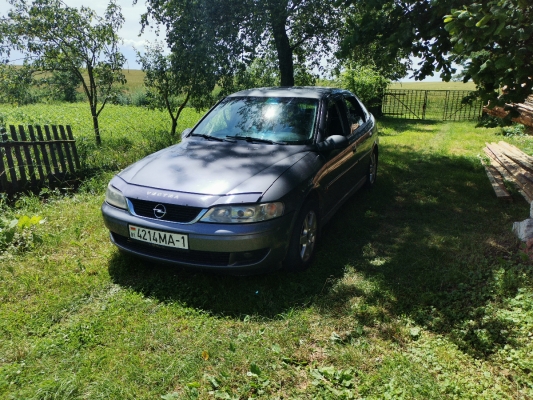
{"x": 115, "y": 197}
{"x": 239, "y": 214}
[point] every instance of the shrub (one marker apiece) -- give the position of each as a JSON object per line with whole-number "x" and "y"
{"x": 368, "y": 84}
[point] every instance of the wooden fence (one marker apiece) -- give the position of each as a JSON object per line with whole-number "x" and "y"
{"x": 44, "y": 156}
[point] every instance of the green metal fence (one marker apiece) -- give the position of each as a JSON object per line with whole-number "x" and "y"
{"x": 442, "y": 105}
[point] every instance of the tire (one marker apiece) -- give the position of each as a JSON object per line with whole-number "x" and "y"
{"x": 303, "y": 240}
{"x": 372, "y": 172}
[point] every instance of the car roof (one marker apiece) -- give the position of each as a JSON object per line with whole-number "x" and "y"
{"x": 313, "y": 92}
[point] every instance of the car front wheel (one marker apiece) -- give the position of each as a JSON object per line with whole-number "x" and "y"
{"x": 303, "y": 239}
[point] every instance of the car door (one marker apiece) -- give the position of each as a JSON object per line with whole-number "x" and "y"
{"x": 360, "y": 132}
{"x": 337, "y": 174}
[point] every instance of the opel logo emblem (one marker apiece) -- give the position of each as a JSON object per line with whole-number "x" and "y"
{"x": 160, "y": 211}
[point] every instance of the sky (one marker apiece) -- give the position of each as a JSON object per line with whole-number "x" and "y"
{"x": 131, "y": 29}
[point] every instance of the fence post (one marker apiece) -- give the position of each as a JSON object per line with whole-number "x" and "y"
{"x": 4, "y": 184}
{"x": 37, "y": 155}
{"x": 18, "y": 156}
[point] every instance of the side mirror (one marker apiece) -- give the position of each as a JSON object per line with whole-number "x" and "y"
{"x": 186, "y": 132}
{"x": 334, "y": 142}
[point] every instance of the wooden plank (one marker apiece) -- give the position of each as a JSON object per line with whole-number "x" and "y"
{"x": 59, "y": 150}
{"x": 506, "y": 175}
{"x": 514, "y": 164}
{"x": 516, "y": 155}
{"x": 37, "y": 154}
{"x": 10, "y": 164}
{"x": 29, "y": 159}
{"x": 4, "y": 184}
{"x": 18, "y": 155}
{"x": 496, "y": 181}
{"x": 52, "y": 150}
{"x": 74, "y": 150}
{"x": 44, "y": 152}
{"x": 67, "y": 150}
{"x": 514, "y": 169}
{"x": 527, "y": 158}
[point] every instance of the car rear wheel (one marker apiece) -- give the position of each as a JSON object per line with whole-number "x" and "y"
{"x": 303, "y": 239}
{"x": 372, "y": 169}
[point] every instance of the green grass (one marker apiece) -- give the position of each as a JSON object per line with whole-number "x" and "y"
{"x": 127, "y": 132}
{"x": 419, "y": 290}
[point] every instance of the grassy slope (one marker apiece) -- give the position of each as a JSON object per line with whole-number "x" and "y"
{"x": 418, "y": 291}
{"x": 135, "y": 81}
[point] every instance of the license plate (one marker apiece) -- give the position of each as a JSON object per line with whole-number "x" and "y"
{"x": 161, "y": 238}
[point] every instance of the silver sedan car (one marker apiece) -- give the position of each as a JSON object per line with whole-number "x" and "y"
{"x": 248, "y": 188}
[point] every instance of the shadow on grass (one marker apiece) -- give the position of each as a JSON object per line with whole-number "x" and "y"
{"x": 429, "y": 243}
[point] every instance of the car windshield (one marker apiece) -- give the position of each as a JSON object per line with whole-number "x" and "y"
{"x": 266, "y": 119}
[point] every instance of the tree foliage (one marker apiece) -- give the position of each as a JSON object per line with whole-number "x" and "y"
{"x": 223, "y": 37}
{"x": 15, "y": 84}
{"x": 205, "y": 41}
{"x": 367, "y": 83}
{"x": 167, "y": 88}
{"x": 58, "y": 39}
{"x": 357, "y": 47}
{"x": 305, "y": 30}
{"x": 493, "y": 39}
{"x": 398, "y": 29}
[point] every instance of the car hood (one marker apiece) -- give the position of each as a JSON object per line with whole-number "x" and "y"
{"x": 214, "y": 168}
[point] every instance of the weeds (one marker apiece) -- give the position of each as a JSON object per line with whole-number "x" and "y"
{"x": 18, "y": 234}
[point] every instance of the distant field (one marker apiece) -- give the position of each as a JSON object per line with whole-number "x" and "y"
{"x": 433, "y": 85}
{"x": 134, "y": 78}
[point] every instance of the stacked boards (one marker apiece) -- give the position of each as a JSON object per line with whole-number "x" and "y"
{"x": 508, "y": 163}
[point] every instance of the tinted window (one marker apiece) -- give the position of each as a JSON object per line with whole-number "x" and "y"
{"x": 334, "y": 125}
{"x": 356, "y": 116}
{"x": 279, "y": 119}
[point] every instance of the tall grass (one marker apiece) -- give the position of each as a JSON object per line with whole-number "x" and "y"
{"x": 127, "y": 132}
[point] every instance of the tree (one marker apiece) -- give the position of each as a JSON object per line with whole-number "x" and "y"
{"x": 305, "y": 28}
{"x": 493, "y": 40}
{"x": 399, "y": 29}
{"x": 205, "y": 42}
{"x": 167, "y": 87}
{"x": 55, "y": 38}
{"x": 15, "y": 84}
{"x": 388, "y": 59}
{"x": 230, "y": 34}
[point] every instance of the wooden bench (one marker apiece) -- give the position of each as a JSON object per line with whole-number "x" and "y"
{"x": 39, "y": 157}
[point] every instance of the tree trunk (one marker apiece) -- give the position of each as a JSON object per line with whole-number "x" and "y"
{"x": 283, "y": 47}
{"x": 174, "y": 126}
{"x": 96, "y": 127}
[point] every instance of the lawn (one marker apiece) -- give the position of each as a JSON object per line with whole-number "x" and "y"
{"x": 419, "y": 291}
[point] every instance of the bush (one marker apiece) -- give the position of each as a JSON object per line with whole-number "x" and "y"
{"x": 368, "y": 84}
{"x": 138, "y": 98}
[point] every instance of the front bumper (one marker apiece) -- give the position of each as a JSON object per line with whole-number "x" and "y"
{"x": 233, "y": 248}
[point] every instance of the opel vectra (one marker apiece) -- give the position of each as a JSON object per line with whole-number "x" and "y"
{"x": 250, "y": 186}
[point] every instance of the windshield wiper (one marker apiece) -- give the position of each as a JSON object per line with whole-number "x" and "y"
{"x": 207, "y": 137}
{"x": 252, "y": 139}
